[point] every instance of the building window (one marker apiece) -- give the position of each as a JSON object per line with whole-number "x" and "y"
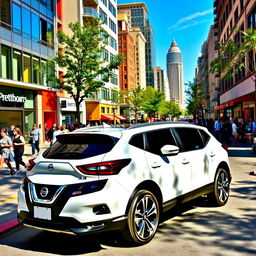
{"x": 35, "y": 27}
{"x": 17, "y": 65}
{"x": 16, "y": 18}
{"x": 5, "y": 13}
{"x": 36, "y": 73}
{"x": 102, "y": 109}
{"x": 44, "y": 72}
{"x": 236, "y": 15}
{"x": 104, "y": 2}
{"x": 26, "y": 23}
{"x": 111, "y": 8}
{"x": 113, "y": 43}
{"x": 112, "y": 25}
{"x": 252, "y": 19}
{"x": 27, "y": 68}
{"x": 5, "y": 62}
{"x": 105, "y": 55}
{"x": 103, "y": 16}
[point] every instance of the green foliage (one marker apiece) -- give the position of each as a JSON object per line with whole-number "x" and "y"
{"x": 151, "y": 100}
{"x": 231, "y": 56}
{"x": 79, "y": 54}
{"x": 170, "y": 108}
{"x": 196, "y": 94}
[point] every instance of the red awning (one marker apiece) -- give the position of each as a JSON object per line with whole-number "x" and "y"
{"x": 121, "y": 117}
{"x": 107, "y": 117}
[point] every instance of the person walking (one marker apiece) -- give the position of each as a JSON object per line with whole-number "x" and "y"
{"x": 18, "y": 144}
{"x": 234, "y": 131}
{"x": 50, "y": 133}
{"x": 35, "y": 138}
{"x": 5, "y": 150}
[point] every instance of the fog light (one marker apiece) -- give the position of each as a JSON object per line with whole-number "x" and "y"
{"x": 101, "y": 209}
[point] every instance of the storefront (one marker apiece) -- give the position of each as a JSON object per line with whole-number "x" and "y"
{"x": 17, "y": 107}
{"x": 67, "y": 115}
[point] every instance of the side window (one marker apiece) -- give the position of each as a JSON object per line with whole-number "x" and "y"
{"x": 204, "y": 136}
{"x": 155, "y": 140}
{"x": 190, "y": 138}
{"x": 137, "y": 141}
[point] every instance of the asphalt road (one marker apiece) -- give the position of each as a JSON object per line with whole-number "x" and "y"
{"x": 193, "y": 230}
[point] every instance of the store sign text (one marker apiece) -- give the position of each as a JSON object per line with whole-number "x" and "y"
{"x": 12, "y": 98}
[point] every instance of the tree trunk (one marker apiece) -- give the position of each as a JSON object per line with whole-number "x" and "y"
{"x": 78, "y": 113}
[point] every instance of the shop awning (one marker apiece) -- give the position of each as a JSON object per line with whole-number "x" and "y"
{"x": 121, "y": 117}
{"x": 111, "y": 117}
{"x": 107, "y": 117}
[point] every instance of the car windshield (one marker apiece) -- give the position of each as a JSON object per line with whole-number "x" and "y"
{"x": 79, "y": 146}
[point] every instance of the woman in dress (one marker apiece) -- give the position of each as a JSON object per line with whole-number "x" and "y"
{"x": 5, "y": 149}
{"x": 18, "y": 144}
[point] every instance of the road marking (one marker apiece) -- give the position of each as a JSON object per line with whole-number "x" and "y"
{"x": 7, "y": 200}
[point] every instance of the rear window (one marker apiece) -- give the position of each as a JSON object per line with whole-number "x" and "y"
{"x": 79, "y": 146}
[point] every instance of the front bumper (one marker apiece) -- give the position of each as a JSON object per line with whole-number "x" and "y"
{"x": 70, "y": 225}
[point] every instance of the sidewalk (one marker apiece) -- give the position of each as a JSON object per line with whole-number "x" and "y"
{"x": 9, "y": 186}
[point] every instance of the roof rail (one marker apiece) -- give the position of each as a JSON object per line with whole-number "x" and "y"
{"x": 157, "y": 123}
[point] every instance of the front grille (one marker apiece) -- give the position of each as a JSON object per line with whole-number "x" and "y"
{"x": 41, "y": 190}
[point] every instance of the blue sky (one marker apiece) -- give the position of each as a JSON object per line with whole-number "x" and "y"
{"x": 186, "y": 21}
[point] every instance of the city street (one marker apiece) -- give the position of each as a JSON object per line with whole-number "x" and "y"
{"x": 193, "y": 230}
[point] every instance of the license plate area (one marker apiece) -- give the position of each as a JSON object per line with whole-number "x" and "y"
{"x": 43, "y": 213}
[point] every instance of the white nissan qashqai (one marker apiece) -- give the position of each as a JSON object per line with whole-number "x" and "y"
{"x": 97, "y": 179}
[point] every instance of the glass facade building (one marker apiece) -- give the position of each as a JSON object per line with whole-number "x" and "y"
{"x": 26, "y": 31}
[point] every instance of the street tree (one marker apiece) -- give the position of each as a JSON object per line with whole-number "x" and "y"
{"x": 232, "y": 55}
{"x": 196, "y": 94}
{"x": 151, "y": 100}
{"x": 81, "y": 56}
{"x": 169, "y": 109}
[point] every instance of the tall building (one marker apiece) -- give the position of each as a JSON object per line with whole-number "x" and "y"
{"x": 137, "y": 17}
{"x": 237, "y": 95}
{"x": 25, "y": 95}
{"x": 101, "y": 106}
{"x": 175, "y": 74}
{"x": 140, "y": 56}
{"x": 161, "y": 82}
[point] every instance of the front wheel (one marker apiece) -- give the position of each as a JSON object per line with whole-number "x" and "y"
{"x": 220, "y": 194}
{"x": 143, "y": 218}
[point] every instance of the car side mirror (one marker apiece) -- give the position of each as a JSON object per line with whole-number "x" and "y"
{"x": 170, "y": 150}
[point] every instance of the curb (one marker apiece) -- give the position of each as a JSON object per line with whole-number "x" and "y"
{"x": 6, "y": 226}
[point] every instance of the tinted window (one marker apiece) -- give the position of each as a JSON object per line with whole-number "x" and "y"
{"x": 157, "y": 139}
{"x": 190, "y": 138}
{"x": 205, "y": 136}
{"x": 79, "y": 146}
{"x": 137, "y": 141}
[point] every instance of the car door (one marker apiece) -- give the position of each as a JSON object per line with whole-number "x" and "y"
{"x": 194, "y": 152}
{"x": 171, "y": 173}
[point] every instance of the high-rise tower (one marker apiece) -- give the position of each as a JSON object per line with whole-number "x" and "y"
{"x": 175, "y": 74}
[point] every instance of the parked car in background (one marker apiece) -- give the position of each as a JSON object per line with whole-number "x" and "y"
{"x": 97, "y": 179}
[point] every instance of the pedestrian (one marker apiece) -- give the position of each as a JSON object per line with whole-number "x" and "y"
{"x": 50, "y": 133}
{"x": 18, "y": 145}
{"x": 10, "y": 132}
{"x": 226, "y": 131}
{"x": 35, "y": 139}
{"x": 234, "y": 131}
{"x": 56, "y": 133}
{"x": 5, "y": 150}
{"x": 217, "y": 128}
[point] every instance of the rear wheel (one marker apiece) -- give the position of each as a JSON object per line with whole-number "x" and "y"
{"x": 143, "y": 218}
{"x": 220, "y": 194}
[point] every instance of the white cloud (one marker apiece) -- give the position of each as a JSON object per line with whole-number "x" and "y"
{"x": 183, "y": 22}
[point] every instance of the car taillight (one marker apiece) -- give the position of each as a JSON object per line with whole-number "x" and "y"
{"x": 225, "y": 147}
{"x": 104, "y": 168}
{"x": 31, "y": 164}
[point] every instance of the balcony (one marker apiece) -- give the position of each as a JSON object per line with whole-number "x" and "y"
{"x": 90, "y": 12}
{"x": 90, "y": 3}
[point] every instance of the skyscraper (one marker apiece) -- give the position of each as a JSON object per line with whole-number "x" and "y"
{"x": 175, "y": 74}
{"x": 137, "y": 17}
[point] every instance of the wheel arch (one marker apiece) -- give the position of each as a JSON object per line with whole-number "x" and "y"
{"x": 225, "y": 166}
{"x": 150, "y": 186}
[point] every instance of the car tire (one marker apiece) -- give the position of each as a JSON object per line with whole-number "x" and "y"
{"x": 143, "y": 218}
{"x": 220, "y": 193}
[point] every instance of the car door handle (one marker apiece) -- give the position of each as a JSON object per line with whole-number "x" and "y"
{"x": 212, "y": 154}
{"x": 185, "y": 161}
{"x": 156, "y": 165}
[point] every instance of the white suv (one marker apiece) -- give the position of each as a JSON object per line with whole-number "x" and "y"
{"x": 101, "y": 179}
